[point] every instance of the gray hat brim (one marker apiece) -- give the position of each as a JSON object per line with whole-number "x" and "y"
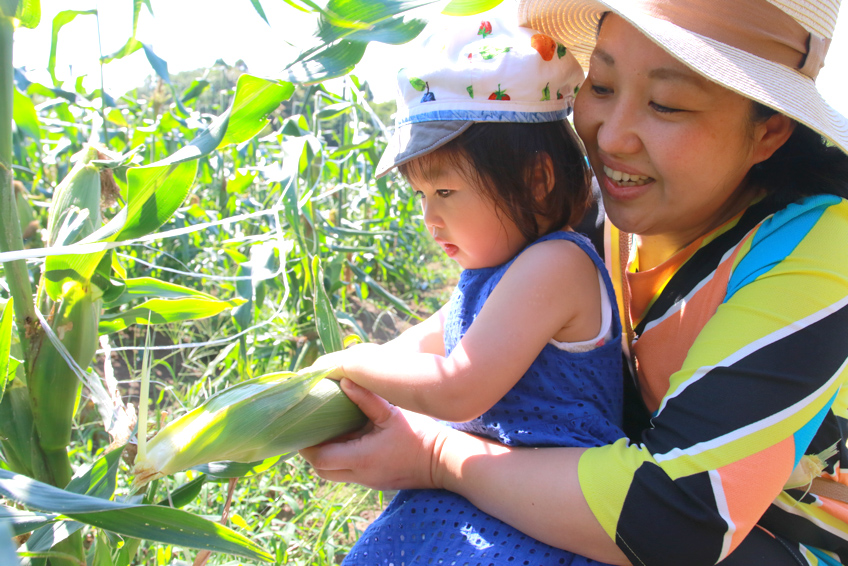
{"x": 412, "y": 141}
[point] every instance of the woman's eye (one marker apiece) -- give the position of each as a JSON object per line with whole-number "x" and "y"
{"x": 444, "y": 193}
{"x": 664, "y": 109}
{"x": 600, "y": 90}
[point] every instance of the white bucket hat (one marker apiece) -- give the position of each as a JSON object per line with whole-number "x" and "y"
{"x": 482, "y": 68}
{"x": 767, "y": 50}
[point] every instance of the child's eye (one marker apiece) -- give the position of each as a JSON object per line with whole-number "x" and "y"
{"x": 444, "y": 193}
{"x": 664, "y": 109}
{"x": 419, "y": 195}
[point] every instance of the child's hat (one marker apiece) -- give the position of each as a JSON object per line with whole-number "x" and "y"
{"x": 482, "y": 68}
{"x": 767, "y": 50}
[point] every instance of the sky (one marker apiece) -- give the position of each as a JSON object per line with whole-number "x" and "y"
{"x": 192, "y": 34}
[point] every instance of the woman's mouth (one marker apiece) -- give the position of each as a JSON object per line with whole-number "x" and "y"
{"x": 626, "y": 179}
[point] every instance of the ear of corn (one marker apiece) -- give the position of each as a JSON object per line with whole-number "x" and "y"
{"x": 16, "y": 421}
{"x": 74, "y": 318}
{"x": 79, "y": 190}
{"x": 53, "y": 385}
{"x": 253, "y": 420}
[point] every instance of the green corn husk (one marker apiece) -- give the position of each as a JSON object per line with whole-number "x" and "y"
{"x": 53, "y": 385}
{"x": 257, "y": 419}
{"x": 79, "y": 190}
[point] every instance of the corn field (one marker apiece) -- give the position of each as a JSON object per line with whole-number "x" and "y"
{"x": 168, "y": 248}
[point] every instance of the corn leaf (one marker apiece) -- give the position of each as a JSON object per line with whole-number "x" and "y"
{"x": 184, "y": 494}
{"x": 194, "y": 90}
{"x": 160, "y": 311}
{"x": 97, "y": 480}
{"x": 137, "y": 10}
{"x": 139, "y": 287}
{"x": 227, "y": 470}
{"x": 469, "y": 7}
{"x": 131, "y": 46}
{"x": 258, "y": 7}
{"x": 24, "y": 115}
{"x": 29, "y": 13}
{"x": 21, "y": 522}
{"x": 62, "y": 19}
{"x": 152, "y": 522}
{"x": 8, "y": 555}
{"x": 254, "y": 101}
{"x": 102, "y": 551}
{"x": 5, "y": 345}
{"x": 333, "y": 110}
{"x": 325, "y": 319}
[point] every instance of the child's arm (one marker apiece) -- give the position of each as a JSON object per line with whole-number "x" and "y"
{"x": 551, "y": 286}
{"x": 426, "y": 337}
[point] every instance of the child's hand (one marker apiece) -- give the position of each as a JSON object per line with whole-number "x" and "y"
{"x": 346, "y": 361}
{"x": 332, "y": 360}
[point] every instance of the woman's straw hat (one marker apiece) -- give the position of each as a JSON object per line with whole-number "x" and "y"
{"x": 767, "y": 50}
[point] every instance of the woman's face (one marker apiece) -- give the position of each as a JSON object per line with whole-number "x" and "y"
{"x": 670, "y": 149}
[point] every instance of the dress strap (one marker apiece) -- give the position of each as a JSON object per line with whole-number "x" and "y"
{"x": 586, "y": 245}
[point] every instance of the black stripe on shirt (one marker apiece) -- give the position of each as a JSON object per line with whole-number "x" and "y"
{"x": 759, "y": 385}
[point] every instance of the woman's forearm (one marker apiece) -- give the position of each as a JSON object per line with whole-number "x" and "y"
{"x": 536, "y": 490}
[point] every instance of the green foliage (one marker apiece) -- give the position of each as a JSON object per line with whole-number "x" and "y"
{"x": 242, "y": 224}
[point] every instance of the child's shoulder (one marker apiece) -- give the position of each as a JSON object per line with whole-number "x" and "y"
{"x": 566, "y": 256}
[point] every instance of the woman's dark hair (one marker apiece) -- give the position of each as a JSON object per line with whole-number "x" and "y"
{"x": 803, "y": 166}
{"x": 502, "y": 158}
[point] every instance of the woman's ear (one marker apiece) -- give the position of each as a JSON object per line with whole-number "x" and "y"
{"x": 542, "y": 179}
{"x": 770, "y": 135}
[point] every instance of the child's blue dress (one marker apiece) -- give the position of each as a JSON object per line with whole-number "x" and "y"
{"x": 564, "y": 399}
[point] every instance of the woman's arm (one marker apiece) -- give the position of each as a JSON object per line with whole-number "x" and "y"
{"x": 526, "y": 308}
{"x": 535, "y": 490}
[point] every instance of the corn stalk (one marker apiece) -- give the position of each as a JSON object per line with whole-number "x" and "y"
{"x": 10, "y": 228}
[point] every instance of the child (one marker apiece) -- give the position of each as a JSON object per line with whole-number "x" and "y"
{"x": 528, "y": 350}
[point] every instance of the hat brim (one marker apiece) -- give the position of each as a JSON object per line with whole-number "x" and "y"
{"x": 575, "y": 24}
{"x": 411, "y": 141}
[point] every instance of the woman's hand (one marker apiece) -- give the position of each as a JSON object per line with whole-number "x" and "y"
{"x": 396, "y": 450}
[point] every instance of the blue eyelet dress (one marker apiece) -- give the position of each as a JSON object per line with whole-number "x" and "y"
{"x": 564, "y": 399}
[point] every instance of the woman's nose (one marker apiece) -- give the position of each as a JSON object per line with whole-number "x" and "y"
{"x": 618, "y": 133}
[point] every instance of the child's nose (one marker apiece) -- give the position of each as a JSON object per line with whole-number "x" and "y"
{"x": 432, "y": 218}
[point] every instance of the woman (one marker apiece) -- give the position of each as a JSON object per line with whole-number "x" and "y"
{"x": 699, "y": 120}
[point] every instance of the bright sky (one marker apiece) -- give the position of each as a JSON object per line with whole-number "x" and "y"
{"x": 191, "y": 34}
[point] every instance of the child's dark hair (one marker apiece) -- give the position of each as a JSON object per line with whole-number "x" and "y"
{"x": 805, "y": 165}
{"x": 503, "y": 156}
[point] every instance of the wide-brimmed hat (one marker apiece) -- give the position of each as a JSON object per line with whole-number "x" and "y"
{"x": 767, "y": 50}
{"x": 482, "y": 68}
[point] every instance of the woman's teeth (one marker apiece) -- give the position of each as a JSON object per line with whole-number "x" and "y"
{"x": 625, "y": 179}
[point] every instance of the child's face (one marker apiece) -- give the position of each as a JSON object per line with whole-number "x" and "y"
{"x": 466, "y": 224}
{"x": 685, "y": 142}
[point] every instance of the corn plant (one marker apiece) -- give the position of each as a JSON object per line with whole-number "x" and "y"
{"x": 113, "y": 205}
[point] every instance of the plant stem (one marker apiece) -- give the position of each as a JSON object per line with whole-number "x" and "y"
{"x": 17, "y": 276}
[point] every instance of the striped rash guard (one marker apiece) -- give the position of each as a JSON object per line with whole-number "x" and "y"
{"x": 741, "y": 347}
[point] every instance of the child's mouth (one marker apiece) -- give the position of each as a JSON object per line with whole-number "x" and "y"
{"x": 450, "y": 249}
